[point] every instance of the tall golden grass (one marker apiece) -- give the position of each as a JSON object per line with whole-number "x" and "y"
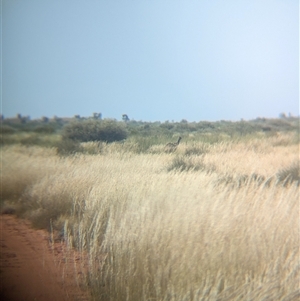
{"x": 158, "y": 233}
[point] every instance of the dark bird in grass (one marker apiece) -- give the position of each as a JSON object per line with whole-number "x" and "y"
{"x": 171, "y": 147}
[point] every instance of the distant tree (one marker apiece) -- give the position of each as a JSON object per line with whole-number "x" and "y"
{"x": 282, "y": 115}
{"x": 22, "y": 119}
{"x": 45, "y": 119}
{"x": 57, "y": 119}
{"x": 97, "y": 115}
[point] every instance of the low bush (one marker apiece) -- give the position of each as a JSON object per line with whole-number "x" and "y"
{"x": 94, "y": 130}
{"x": 30, "y": 139}
{"x": 48, "y": 129}
{"x": 181, "y": 163}
{"x": 43, "y": 210}
{"x": 6, "y": 129}
{"x": 167, "y": 126}
{"x": 289, "y": 175}
{"x": 67, "y": 147}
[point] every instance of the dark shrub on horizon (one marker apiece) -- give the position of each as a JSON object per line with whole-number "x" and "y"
{"x": 46, "y": 129}
{"x": 95, "y": 130}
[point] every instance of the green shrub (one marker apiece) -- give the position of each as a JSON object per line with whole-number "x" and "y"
{"x": 6, "y": 129}
{"x": 30, "y": 139}
{"x": 167, "y": 125}
{"x": 94, "y": 130}
{"x": 205, "y": 126}
{"x": 48, "y": 129}
{"x": 67, "y": 147}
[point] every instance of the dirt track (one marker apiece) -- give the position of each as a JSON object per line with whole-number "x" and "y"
{"x": 32, "y": 268}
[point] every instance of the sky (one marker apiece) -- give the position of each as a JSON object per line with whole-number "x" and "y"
{"x": 154, "y": 60}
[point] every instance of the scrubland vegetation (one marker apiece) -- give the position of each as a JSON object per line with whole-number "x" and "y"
{"x": 217, "y": 219}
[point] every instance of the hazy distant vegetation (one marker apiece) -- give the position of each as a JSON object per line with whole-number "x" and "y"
{"x": 216, "y": 219}
{"x": 55, "y": 132}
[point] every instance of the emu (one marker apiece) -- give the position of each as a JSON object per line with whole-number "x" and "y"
{"x": 171, "y": 147}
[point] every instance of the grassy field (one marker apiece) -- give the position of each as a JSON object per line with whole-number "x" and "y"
{"x": 217, "y": 219}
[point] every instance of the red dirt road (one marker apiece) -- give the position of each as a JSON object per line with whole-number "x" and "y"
{"x": 32, "y": 268}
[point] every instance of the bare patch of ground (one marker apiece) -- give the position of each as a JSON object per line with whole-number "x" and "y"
{"x": 34, "y": 268}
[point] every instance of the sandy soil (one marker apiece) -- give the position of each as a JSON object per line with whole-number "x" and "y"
{"x": 32, "y": 267}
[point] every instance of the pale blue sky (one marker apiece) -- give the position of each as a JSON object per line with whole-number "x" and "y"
{"x": 151, "y": 59}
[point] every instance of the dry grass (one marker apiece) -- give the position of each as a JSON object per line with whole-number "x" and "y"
{"x": 155, "y": 233}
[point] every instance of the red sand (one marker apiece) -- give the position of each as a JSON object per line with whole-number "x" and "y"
{"x": 33, "y": 268}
